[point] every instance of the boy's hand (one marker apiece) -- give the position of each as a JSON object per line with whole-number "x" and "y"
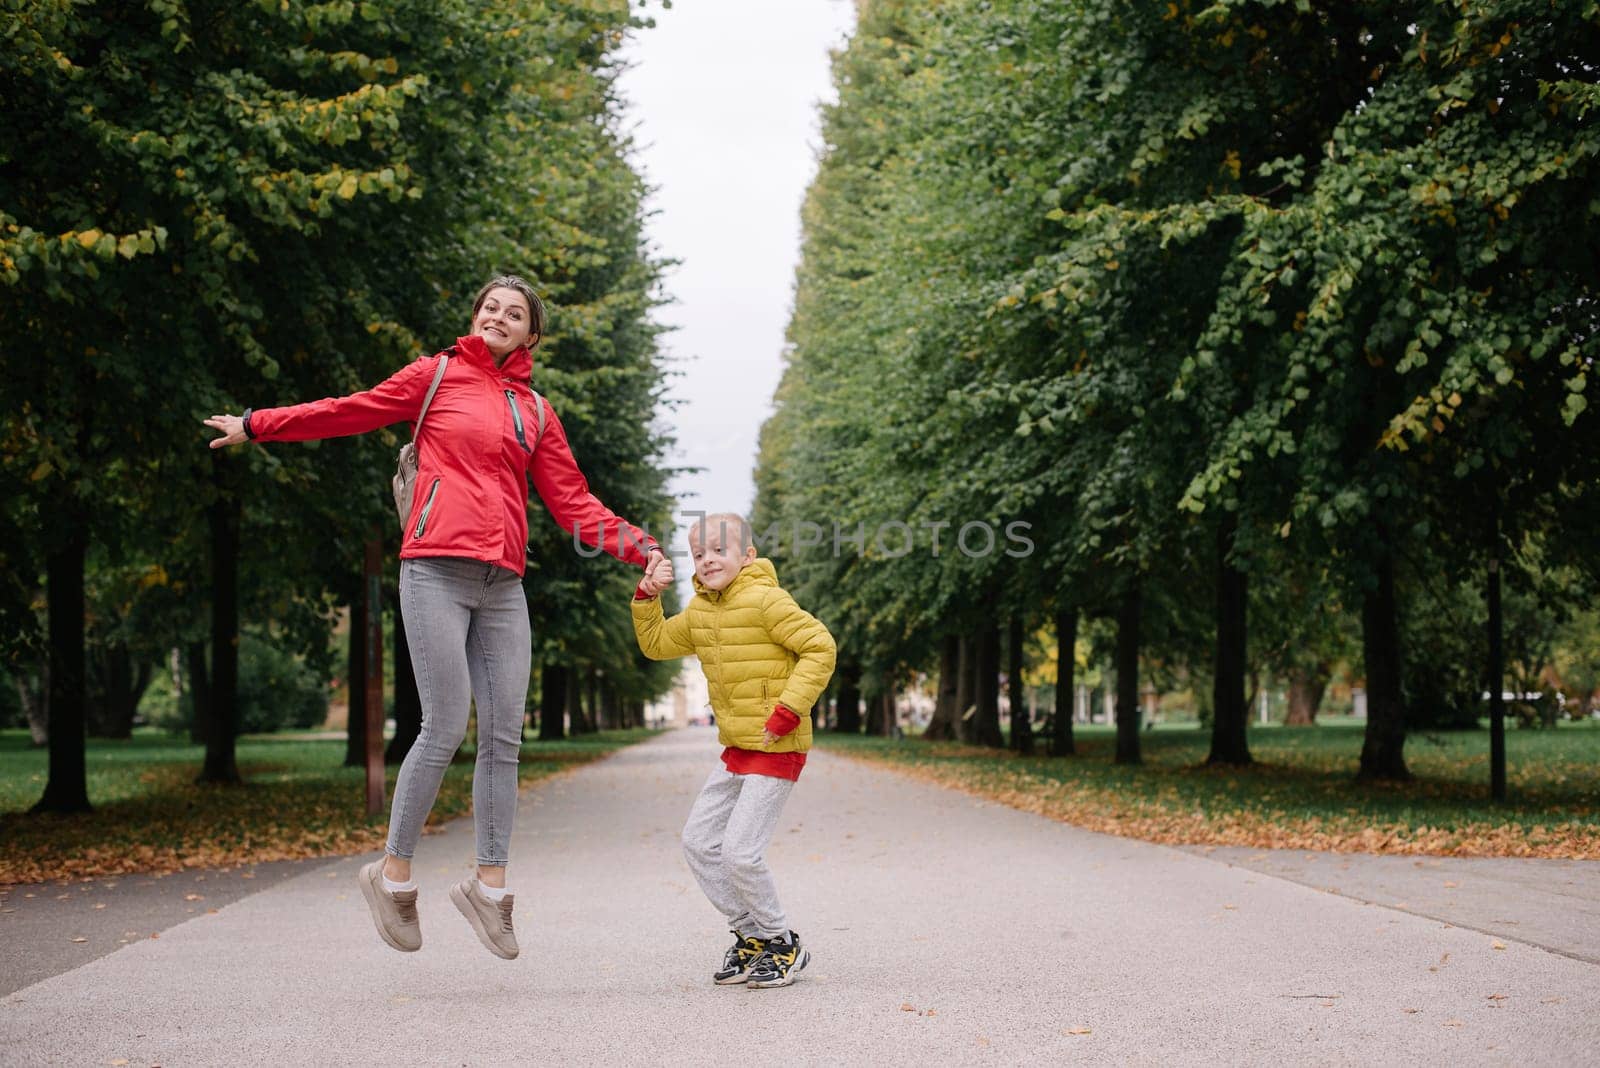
{"x": 657, "y": 575}
{"x": 767, "y": 737}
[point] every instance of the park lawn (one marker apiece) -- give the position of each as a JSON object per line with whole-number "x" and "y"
{"x": 1300, "y": 794}
{"x": 297, "y": 800}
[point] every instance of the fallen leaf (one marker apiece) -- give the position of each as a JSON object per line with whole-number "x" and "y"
{"x": 908, "y": 1007}
{"x": 1498, "y": 945}
{"x": 1452, "y": 1023}
{"x": 933, "y": 1012}
{"x": 155, "y": 934}
{"x": 193, "y": 897}
{"x": 120, "y": 1060}
{"x": 1412, "y": 1012}
{"x": 101, "y": 905}
{"x": 1077, "y": 1031}
{"x": 1230, "y": 907}
{"x": 1497, "y": 997}
{"x": 1449, "y": 886}
{"x": 80, "y": 940}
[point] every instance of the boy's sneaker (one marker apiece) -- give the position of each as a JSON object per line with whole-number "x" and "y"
{"x": 779, "y": 963}
{"x": 490, "y": 919}
{"x": 394, "y": 914}
{"x": 736, "y": 962}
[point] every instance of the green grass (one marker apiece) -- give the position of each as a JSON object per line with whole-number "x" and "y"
{"x": 1301, "y": 792}
{"x": 297, "y": 800}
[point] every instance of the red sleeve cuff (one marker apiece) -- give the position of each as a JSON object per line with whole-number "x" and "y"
{"x": 782, "y": 721}
{"x": 640, "y": 595}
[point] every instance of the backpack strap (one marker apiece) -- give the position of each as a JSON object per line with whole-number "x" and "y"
{"x": 438, "y": 376}
{"x": 538, "y": 406}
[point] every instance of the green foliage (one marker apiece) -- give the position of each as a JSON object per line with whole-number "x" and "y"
{"x": 210, "y": 205}
{"x": 1322, "y": 271}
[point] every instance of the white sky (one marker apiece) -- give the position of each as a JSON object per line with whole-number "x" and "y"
{"x": 723, "y": 99}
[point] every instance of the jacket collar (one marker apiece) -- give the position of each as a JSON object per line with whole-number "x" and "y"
{"x": 474, "y": 350}
{"x": 758, "y": 572}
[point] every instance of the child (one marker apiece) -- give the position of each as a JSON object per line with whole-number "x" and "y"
{"x": 766, "y": 662}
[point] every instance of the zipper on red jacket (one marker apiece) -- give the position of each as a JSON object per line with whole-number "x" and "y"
{"x": 516, "y": 418}
{"x": 427, "y": 506}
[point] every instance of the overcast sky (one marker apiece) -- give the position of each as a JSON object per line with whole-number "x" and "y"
{"x": 722, "y": 97}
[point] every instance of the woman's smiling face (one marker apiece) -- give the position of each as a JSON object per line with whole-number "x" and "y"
{"x": 504, "y": 321}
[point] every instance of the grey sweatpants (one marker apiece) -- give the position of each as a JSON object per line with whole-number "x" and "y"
{"x": 467, "y": 627}
{"x": 725, "y": 842}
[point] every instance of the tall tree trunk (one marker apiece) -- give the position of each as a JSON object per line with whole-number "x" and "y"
{"x": 849, "y": 716}
{"x": 1306, "y": 687}
{"x": 199, "y": 680}
{"x": 1128, "y": 679}
{"x": 967, "y": 689}
{"x": 34, "y": 692}
{"x": 355, "y": 738}
{"x": 986, "y": 724}
{"x": 1230, "y": 714}
{"x": 407, "y": 700}
{"x": 1021, "y": 725}
{"x": 611, "y": 706}
{"x": 889, "y": 717}
{"x": 220, "y": 765}
{"x": 552, "y": 703}
{"x": 873, "y": 701}
{"x": 597, "y": 712}
{"x": 946, "y": 707}
{"x": 67, "y": 788}
{"x": 1497, "y": 674}
{"x": 1061, "y": 741}
{"x": 1383, "y": 747}
{"x": 120, "y": 686}
{"x": 581, "y": 724}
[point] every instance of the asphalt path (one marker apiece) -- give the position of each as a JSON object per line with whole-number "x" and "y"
{"x": 945, "y": 930}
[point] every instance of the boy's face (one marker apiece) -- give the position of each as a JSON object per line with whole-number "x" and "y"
{"x": 719, "y": 553}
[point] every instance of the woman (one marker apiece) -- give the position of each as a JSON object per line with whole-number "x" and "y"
{"x": 463, "y": 550}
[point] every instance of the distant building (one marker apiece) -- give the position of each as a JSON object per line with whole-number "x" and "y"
{"x": 689, "y": 700}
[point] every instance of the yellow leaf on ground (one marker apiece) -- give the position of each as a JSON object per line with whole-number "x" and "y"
{"x": 1077, "y": 1031}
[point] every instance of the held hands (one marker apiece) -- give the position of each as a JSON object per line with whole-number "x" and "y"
{"x": 657, "y": 574}
{"x": 232, "y": 427}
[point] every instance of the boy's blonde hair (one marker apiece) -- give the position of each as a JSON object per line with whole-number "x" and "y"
{"x": 722, "y": 521}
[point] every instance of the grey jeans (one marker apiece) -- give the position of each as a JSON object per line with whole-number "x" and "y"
{"x": 725, "y": 842}
{"x": 467, "y": 627}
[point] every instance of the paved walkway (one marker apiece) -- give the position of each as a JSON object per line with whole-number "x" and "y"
{"x": 946, "y": 931}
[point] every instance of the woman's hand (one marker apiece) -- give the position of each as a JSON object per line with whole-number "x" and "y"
{"x": 232, "y": 428}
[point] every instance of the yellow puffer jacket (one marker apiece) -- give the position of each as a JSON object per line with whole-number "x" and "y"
{"x": 757, "y": 647}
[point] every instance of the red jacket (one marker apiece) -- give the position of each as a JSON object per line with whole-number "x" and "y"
{"x": 474, "y": 459}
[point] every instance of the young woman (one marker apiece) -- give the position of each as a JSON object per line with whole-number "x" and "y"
{"x": 463, "y": 550}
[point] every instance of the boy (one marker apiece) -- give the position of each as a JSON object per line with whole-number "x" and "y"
{"x": 766, "y": 662}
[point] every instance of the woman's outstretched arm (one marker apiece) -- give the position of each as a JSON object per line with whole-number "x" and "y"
{"x": 396, "y": 398}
